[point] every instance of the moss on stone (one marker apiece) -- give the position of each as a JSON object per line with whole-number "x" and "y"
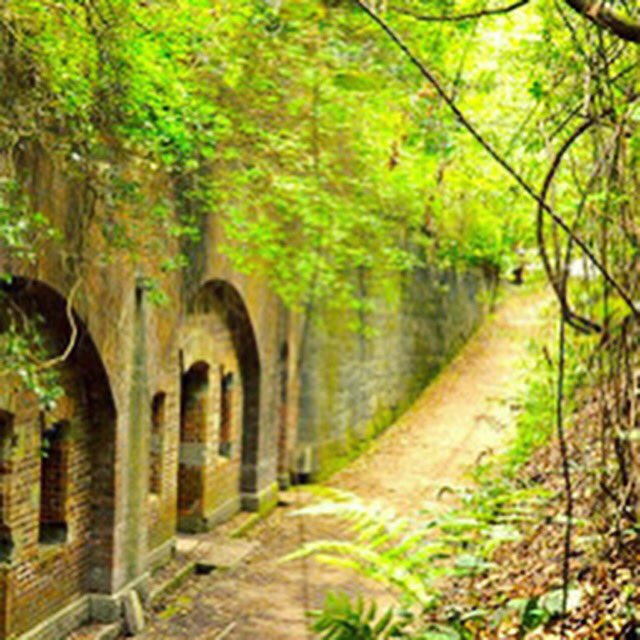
{"x": 335, "y": 455}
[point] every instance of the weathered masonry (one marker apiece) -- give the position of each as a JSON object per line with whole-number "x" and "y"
{"x": 173, "y": 417}
{"x": 352, "y": 387}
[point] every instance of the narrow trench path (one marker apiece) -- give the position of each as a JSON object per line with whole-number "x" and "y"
{"x": 466, "y": 412}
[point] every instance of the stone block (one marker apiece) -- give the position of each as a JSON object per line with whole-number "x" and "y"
{"x": 109, "y": 632}
{"x": 193, "y": 454}
{"x": 223, "y": 555}
{"x": 105, "y": 609}
{"x": 133, "y": 613}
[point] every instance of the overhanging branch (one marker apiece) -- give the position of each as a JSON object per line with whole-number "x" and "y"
{"x": 522, "y": 183}
{"x": 473, "y": 15}
{"x": 597, "y": 12}
{"x": 559, "y": 281}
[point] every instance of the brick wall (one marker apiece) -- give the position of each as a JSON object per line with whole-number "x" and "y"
{"x": 156, "y": 446}
{"x": 125, "y": 523}
{"x": 49, "y": 488}
{"x": 7, "y": 432}
{"x": 46, "y": 575}
{"x": 54, "y": 481}
{"x": 163, "y": 469}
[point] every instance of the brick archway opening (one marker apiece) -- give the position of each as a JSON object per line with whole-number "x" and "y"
{"x": 195, "y": 410}
{"x": 59, "y": 546}
{"x": 238, "y": 391}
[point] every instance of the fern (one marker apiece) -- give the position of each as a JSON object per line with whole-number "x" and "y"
{"x": 343, "y": 620}
{"x": 413, "y": 557}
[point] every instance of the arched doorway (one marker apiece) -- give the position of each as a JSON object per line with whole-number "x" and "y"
{"x": 57, "y": 460}
{"x": 195, "y": 410}
{"x": 220, "y": 408}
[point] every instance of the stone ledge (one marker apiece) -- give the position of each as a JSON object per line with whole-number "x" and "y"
{"x": 224, "y": 555}
{"x": 202, "y": 524}
{"x": 161, "y": 554}
{"x": 62, "y": 623}
{"x": 223, "y": 513}
{"x": 172, "y": 583}
{"x": 109, "y": 632}
{"x": 108, "y": 608}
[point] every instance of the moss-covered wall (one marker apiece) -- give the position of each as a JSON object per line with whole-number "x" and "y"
{"x": 140, "y": 348}
{"x": 350, "y": 386}
{"x": 355, "y": 383}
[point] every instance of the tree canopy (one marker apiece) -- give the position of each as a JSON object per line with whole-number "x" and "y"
{"x": 338, "y": 142}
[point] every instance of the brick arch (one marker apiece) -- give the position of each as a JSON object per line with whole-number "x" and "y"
{"x": 83, "y": 561}
{"x": 220, "y": 296}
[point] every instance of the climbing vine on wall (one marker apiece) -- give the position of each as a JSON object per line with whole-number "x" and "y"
{"x": 291, "y": 122}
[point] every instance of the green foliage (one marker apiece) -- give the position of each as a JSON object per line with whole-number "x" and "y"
{"x": 111, "y": 68}
{"x": 113, "y": 91}
{"x": 23, "y": 352}
{"x": 535, "y": 424}
{"x": 342, "y": 620}
{"x": 297, "y": 124}
{"x": 535, "y": 612}
{"x": 384, "y": 542}
{"x": 294, "y": 124}
{"x": 22, "y": 231}
{"x": 413, "y": 557}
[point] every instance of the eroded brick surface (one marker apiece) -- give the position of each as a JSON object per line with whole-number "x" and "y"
{"x": 50, "y": 485}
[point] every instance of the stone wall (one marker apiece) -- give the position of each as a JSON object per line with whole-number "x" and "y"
{"x": 355, "y": 383}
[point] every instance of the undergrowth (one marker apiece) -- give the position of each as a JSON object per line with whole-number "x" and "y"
{"x": 419, "y": 559}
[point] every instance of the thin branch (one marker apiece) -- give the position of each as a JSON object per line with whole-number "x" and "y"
{"x": 566, "y": 472}
{"x": 583, "y": 324}
{"x": 559, "y": 284}
{"x": 54, "y": 362}
{"x": 524, "y": 185}
{"x": 572, "y": 30}
{"x": 474, "y": 15}
{"x": 576, "y": 110}
{"x": 73, "y": 338}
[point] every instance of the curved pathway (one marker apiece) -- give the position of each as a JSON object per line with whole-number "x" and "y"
{"x": 465, "y": 413}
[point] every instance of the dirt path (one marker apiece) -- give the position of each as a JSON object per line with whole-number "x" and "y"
{"x": 467, "y": 411}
